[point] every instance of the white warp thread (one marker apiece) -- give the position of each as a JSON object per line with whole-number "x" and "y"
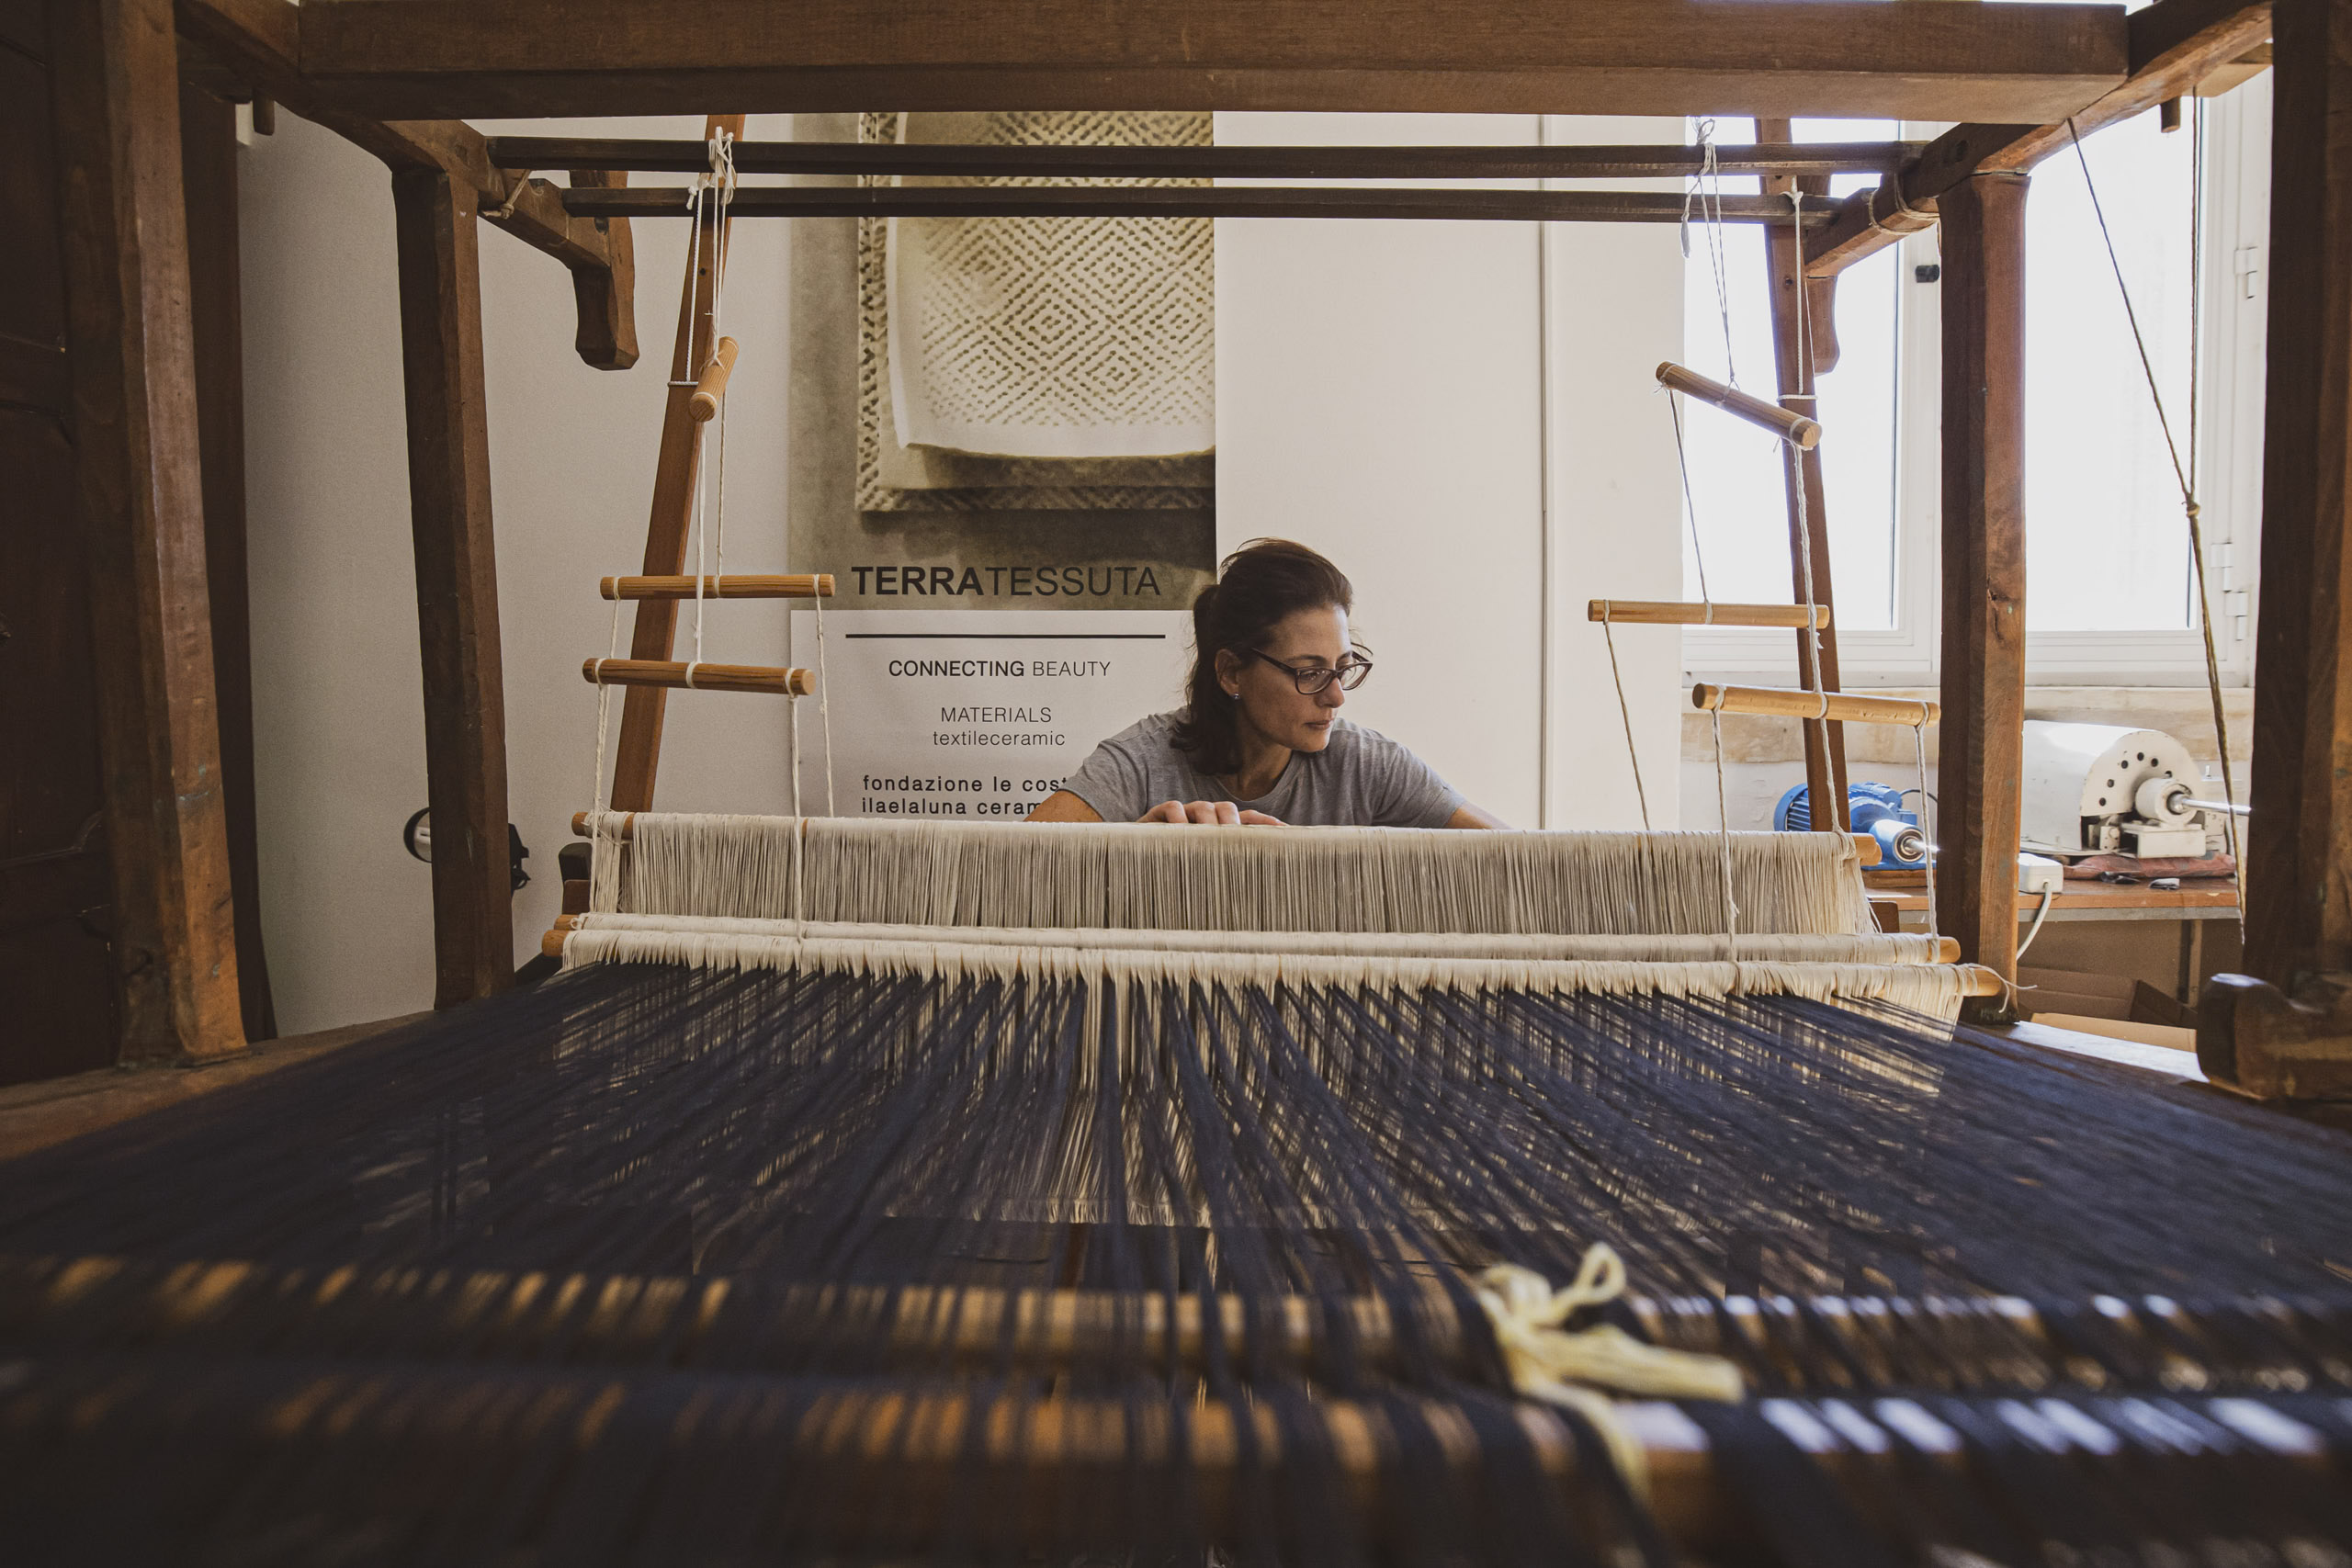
{"x": 1932, "y": 989}
{"x": 1873, "y": 947}
{"x": 1130, "y": 876}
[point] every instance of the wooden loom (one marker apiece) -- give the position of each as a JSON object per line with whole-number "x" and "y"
{"x": 441, "y": 60}
{"x": 389, "y": 76}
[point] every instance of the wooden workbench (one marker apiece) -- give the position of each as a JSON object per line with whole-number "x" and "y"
{"x": 2197, "y": 898}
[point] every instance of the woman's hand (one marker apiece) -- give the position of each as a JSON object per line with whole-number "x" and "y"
{"x": 1208, "y": 814}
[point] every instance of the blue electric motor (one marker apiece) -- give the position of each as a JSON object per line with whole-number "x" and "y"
{"x": 1873, "y": 809}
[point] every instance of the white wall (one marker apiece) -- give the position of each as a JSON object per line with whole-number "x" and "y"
{"x": 1381, "y": 395}
{"x": 339, "y": 720}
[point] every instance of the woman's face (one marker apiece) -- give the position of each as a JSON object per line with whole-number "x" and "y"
{"x": 1271, "y": 702}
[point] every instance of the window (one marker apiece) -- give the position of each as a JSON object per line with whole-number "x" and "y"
{"x": 1737, "y": 493}
{"x": 2110, "y": 593}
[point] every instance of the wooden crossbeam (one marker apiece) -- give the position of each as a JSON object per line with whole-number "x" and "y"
{"x": 452, "y": 59}
{"x": 931, "y": 159}
{"x": 2175, "y": 44}
{"x": 1185, "y": 201}
{"x": 259, "y": 42}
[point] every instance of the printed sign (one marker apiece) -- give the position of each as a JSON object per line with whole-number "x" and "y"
{"x": 978, "y": 714}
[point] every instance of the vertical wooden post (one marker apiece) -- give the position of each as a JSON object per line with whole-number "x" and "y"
{"x": 134, "y": 427}
{"x": 457, "y": 584}
{"x": 1796, "y": 358}
{"x": 637, "y": 757}
{"x": 2298, "y": 871}
{"x": 1983, "y": 731}
{"x": 208, "y": 165}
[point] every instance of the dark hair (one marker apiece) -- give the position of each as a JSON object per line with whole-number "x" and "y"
{"x": 1257, "y": 585}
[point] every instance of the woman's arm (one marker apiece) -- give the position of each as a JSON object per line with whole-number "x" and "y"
{"x": 1469, "y": 816}
{"x": 1063, "y": 806}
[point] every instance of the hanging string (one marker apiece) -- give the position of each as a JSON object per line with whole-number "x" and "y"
{"x": 1698, "y": 552}
{"x": 1706, "y": 190}
{"x": 1794, "y": 456}
{"x": 1625, "y": 710}
{"x": 1690, "y": 501}
{"x": 1927, "y": 820}
{"x": 2184, "y": 473}
{"x": 604, "y": 847}
{"x": 720, "y": 185}
{"x": 1715, "y": 718}
{"x": 825, "y": 707}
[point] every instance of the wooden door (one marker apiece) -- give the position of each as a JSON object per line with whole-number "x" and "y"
{"x": 57, "y": 994}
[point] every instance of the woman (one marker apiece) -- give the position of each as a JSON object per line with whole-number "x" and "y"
{"x": 1260, "y": 739}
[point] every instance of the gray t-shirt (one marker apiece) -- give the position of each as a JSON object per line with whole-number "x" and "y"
{"x": 1362, "y": 779}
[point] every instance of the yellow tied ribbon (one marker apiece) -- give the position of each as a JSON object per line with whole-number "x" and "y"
{"x": 1570, "y": 1369}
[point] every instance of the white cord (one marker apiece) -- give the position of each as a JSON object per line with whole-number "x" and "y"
{"x": 1926, "y": 815}
{"x": 825, "y": 708}
{"x": 2040, "y": 915}
{"x": 1723, "y": 820}
{"x": 1624, "y": 710}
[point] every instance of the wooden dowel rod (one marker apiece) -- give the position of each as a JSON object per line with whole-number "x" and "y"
{"x": 734, "y": 585}
{"x": 1976, "y": 980}
{"x": 1670, "y": 161}
{"x": 772, "y": 680}
{"x": 623, "y": 832}
{"x": 711, "y": 385}
{"x": 1673, "y": 613}
{"x": 1843, "y": 706}
{"x": 1786, "y": 423}
{"x": 1867, "y": 848}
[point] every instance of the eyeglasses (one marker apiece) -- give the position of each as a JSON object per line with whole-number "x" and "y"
{"x": 1349, "y": 672}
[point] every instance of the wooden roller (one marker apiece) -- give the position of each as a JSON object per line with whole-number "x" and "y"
{"x": 1786, "y": 423}
{"x": 623, "y": 832}
{"x": 770, "y": 679}
{"x": 735, "y": 585}
{"x": 1839, "y": 706}
{"x": 1670, "y": 613}
{"x": 711, "y": 385}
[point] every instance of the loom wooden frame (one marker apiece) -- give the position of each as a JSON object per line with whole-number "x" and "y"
{"x": 390, "y": 74}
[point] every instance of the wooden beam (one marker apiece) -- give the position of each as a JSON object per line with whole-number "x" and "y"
{"x": 457, "y": 584}
{"x": 605, "y": 294}
{"x": 2299, "y": 876}
{"x": 637, "y": 757}
{"x": 1808, "y": 510}
{"x": 209, "y": 169}
{"x": 1184, "y": 201}
{"x": 931, "y": 159}
{"x": 258, "y": 42}
{"x": 132, "y": 349}
{"x": 457, "y": 59}
{"x": 1983, "y": 732}
{"x": 2174, "y": 45}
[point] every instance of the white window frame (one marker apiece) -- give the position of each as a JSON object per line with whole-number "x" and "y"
{"x": 2230, "y": 483}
